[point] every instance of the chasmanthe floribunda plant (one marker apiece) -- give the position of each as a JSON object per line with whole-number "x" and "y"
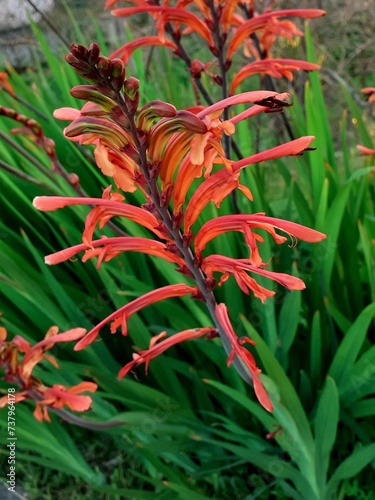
{"x": 161, "y": 151}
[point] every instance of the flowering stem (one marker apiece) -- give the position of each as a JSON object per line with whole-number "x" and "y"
{"x": 21, "y": 175}
{"x": 186, "y": 252}
{"x": 268, "y": 80}
{"x": 220, "y": 42}
{"x": 184, "y": 56}
{"x": 26, "y": 154}
{"x": 24, "y": 102}
{"x": 202, "y": 89}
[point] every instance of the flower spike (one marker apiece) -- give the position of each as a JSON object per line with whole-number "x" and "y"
{"x": 120, "y": 317}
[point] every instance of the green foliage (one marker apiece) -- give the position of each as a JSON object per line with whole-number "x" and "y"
{"x": 191, "y": 429}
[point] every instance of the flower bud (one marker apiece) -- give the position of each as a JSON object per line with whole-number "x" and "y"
{"x": 79, "y": 51}
{"x": 118, "y": 74}
{"x": 73, "y": 179}
{"x": 131, "y": 86}
{"x": 93, "y": 53}
{"x": 104, "y": 66}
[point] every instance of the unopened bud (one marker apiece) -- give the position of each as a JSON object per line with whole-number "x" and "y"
{"x": 117, "y": 74}
{"x": 131, "y": 86}
{"x": 104, "y": 66}
{"x": 79, "y": 51}
{"x": 73, "y": 179}
{"x": 217, "y": 79}
{"x": 94, "y": 53}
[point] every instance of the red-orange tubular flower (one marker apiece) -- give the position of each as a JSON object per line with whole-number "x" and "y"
{"x": 224, "y": 27}
{"x": 156, "y": 348}
{"x": 58, "y": 396}
{"x": 119, "y": 318}
{"x": 273, "y": 67}
{"x": 238, "y": 268}
{"x": 370, "y": 92}
{"x": 18, "y": 360}
{"x": 238, "y": 351}
{"x": 160, "y": 151}
{"x": 245, "y": 224}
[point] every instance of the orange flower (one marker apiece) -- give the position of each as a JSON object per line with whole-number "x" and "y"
{"x": 19, "y": 372}
{"x": 245, "y": 224}
{"x": 35, "y": 354}
{"x": 109, "y": 206}
{"x": 120, "y": 317}
{"x": 239, "y": 351}
{"x": 59, "y": 396}
{"x": 249, "y": 27}
{"x": 255, "y": 97}
{"x": 276, "y": 68}
{"x": 111, "y": 247}
{"x": 156, "y": 349}
{"x": 366, "y": 151}
{"x": 222, "y": 183}
{"x": 370, "y": 92}
{"x": 127, "y": 50}
{"x": 165, "y": 15}
{"x": 5, "y": 83}
{"x": 237, "y": 268}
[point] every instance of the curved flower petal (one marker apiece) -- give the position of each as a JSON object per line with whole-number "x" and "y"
{"x": 259, "y": 22}
{"x": 169, "y": 14}
{"x": 106, "y": 208}
{"x": 244, "y": 355}
{"x": 273, "y": 67}
{"x": 254, "y": 97}
{"x": 125, "y": 52}
{"x": 119, "y": 317}
{"x": 245, "y": 223}
{"x": 366, "y": 151}
{"x": 111, "y": 247}
{"x": 237, "y": 267}
{"x": 156, "y": 349}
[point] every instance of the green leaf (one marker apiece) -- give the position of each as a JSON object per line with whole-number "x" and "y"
{"x": 325, "y": 425}
{"x": 289, "y": 319}
{"x": 252, "y": 406}
{"x": 350, "y": 347}
{"x": 288, "y": 394}
{"x": 331, "y": 228}
{"x": 350, "y": 468}
{"x": 315, "y": 349}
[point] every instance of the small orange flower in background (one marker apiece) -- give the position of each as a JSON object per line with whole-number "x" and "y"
{"x": 4, "y": 83}
{"x": 225, "y": 28}
{"x": 161, "y": 151}
{"x": 18, "y": 360}
{"x": 370, "y": 93}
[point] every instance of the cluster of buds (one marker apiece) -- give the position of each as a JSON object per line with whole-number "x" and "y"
{"x": 30, "y": 128}
{"x": 104, "y": 71}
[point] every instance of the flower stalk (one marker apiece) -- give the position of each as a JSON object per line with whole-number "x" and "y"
{"x": 160, "y": 150}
